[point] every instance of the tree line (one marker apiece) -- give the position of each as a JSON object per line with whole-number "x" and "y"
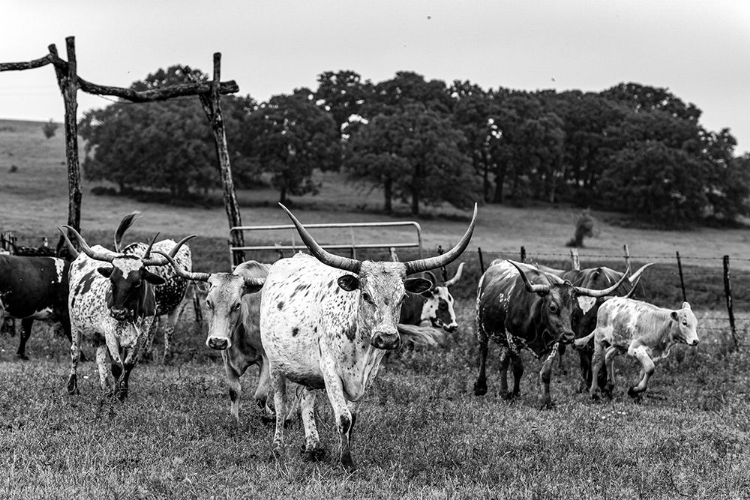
{"x": 630, "y": 148}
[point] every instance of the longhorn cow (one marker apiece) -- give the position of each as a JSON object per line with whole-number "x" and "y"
{"x": 34, "y": 288}
{"x": 112, "y": 303}
{"x": 644, "y": 331}
{"x": 168, "y": 296}
{"x": 233, "y": 308}
{"x": 519, "y": 307}
{"x": 434, "y": 305}
{"x": 327, "y": 329}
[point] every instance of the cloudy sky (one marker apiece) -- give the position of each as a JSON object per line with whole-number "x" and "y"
{"x": 700, "y": 50}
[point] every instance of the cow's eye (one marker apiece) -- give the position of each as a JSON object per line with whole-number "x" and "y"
{"x": 553, "y": 308}
{"x": 209, "y": 304}
{"x": 366, "y": 297}
{"x": 236, "y": 306}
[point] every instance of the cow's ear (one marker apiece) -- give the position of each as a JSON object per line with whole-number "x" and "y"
{"x": 685, "y": 305}
{"x": 348, "y": 282}
{"x": 105, "y": 271}
{"x": 674, "y": 316}
{"x": 428, "y": 294}
{"x": 251, "y": 288}
{"x": 152, "y": 278}
{"x": 417, "y": 285}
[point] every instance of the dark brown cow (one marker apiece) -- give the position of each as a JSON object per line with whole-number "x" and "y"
{"x": 519, "y": 307}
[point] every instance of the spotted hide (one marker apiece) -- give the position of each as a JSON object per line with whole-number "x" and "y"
{"x": 434, "y": 305}
{"x": 326, "y": 322}
{"x": 34, "y": 288}
{"x": 520, "y": 307}
{"x": 171, "y": 293}
{"x": 644, "y": 331}
{"x": 112, "y": 302}
{"x": 232, "y": 310}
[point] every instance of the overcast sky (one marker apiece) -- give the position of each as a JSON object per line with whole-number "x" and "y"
{"x": 700, "y": 50}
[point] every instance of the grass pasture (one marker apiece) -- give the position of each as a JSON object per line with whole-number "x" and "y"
{"x": 421, "y": 433}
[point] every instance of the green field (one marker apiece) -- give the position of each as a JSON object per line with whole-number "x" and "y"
{"x": 421, "y": 432}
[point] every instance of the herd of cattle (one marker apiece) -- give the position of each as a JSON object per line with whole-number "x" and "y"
{"x": 323, "y": 321}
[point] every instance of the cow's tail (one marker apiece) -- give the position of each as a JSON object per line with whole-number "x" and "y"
{"x": 582, "y": 343}
{"x": 125, "y": 223}
{"x": 420, "y": 334}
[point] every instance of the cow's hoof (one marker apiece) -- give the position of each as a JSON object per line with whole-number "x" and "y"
{"x": 22, "y": 356}
{"x": 547, "y": 405}
{"x": 595, "y": 396}
{"x": 268, "y": 419}
{"x": 634, "y": 394}
{"x": 480, "y": 388}
{"x": 313, "y": 455}
{"x": 277, "y": 451}
{"x": 348, "y": 463}
{"x": 510, "y": 396}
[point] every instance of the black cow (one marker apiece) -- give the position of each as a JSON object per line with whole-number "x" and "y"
{"x": 34, "y": 288}
{"x": 518, "y": 307}
{"x": 585, "y": 313}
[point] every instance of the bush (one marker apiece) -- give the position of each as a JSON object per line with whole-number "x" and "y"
{"x": 49, "y": 129}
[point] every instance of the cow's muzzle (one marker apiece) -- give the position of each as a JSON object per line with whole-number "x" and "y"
{"x": 387, "y": 341}
{"x": 567, "y": 338}
{"x": 119, "y": 314}
{"x": 218, "y": 343}
{"x": 694, "y": 343}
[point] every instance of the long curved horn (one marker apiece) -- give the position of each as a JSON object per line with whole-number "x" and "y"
{"x": 158, "y": 261}
{"x": 637, "y": 275}
{"x": 150, "y": 246}
{"x": 416, "y": 266}
{"x": 188, "y": 275}
{"x": 533, "y": 288}
{"x": 457, "y": 276}
{"x": 103, "y": 256}
{"x": 601, "y": 293}
{"x": 72, "y": 249}
{"x": 329, "y": 259}
{"x": 125, "y": 223}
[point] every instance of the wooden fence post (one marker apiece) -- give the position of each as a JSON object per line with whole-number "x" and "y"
{"x": 523, "y": 254}
{"x": 728, "y": 291}
{"x": 627, "y": 255}
{"x": 212, "y": 108}
{"x": 574, "y": 259}
{"x": 682, "y": 280}
{"x": 481, "y": 259}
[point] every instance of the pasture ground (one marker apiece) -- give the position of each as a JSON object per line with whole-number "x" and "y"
{"x": 421, "y": 432}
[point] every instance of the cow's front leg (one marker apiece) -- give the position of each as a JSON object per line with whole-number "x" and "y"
{"x": 75, "y": 352}
{"x": 278, "y": 382}
{"x": 480, "y": 386}
{"x": 545, "y": 375}
{"x": 235, "y": 387}
{"x": 311, "y": 450}
{"x": 344, "y": 419}
{"x": 105, "y": 379}
{"x": 647, "y": 370}
{"x": 264, "y": 386}
{"x": 26, "y": 325}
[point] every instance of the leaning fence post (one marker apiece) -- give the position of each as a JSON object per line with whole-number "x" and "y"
{"x": 481, "y": 260}
{"x": 682, "y": 280}
{"x": 728, "y": 291}
{"x": 574, "y": 259}
{"x": 523, "y": 254}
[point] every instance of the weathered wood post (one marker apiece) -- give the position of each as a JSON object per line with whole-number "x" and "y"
{"x": 574, "y": 259}
{"x": 728, "y": 292}
{"x": 523, "y": 254}
{"x": 627, "y": 255}
{"x": 682, "y": 279}
{"x": 481, "y": 259}
{"x": 212, "y": 108}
